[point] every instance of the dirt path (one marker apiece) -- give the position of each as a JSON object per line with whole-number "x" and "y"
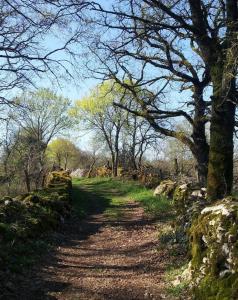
{"x": 101, "y": 258}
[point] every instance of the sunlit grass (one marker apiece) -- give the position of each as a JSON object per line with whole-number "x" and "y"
{"x": 181, "y": 287}
{"x": 115, "y": 192}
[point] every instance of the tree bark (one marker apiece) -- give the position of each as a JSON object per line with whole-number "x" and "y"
{"x": 176, "y": 167}
{"x": 115, "y": 166}
{"x": 223, "y": 68}
{"x": 91, "y": 168}
{"x": 113, "y": 163}
{"x": 220, "y": 168}
{"x": 27, "y": 181}
{"x": 116, "y": 152}
{"x": 201, "y": 147}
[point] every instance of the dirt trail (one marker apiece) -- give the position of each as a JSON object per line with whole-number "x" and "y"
{"x": 99, "y": 259}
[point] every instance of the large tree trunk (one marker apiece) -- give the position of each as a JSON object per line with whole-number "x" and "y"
{"x": 223, "y": 70}
{"x": 221, "y": 57}
{"x": 220, "y": 168}
{"x": 201, "y": 147}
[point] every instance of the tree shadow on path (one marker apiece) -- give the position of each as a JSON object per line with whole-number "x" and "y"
{"x": 75, "y": 258}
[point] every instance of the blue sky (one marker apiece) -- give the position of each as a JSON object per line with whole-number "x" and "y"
{"x": 79, "y": 87}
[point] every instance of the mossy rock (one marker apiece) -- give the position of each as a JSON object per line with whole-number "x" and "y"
{"x": 60, "y": 177}
{"x": 22, "y": 196}
{"x": 214, "y": 250}
{"x": 32, "y": 199}
{"x": 7, "y": 198}
{"x": 5, "y": 231}
{"x": 27, "y": 217}
{"x": 166, "y": 188}
{"x": 181, "y": 198}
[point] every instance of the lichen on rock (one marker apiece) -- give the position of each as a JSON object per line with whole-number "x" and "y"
{"x": 166, "y": 188}
{"x": 181, "y": 197}
{"x": 214, "y": 249}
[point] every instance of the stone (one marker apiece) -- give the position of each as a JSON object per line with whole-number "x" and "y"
{"x": 214, "y": 250}
{"x": 166, "y": 188}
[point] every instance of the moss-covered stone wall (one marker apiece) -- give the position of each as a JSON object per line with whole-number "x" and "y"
{"x": 214, "y": 247}
{"x": 26, "y": 217}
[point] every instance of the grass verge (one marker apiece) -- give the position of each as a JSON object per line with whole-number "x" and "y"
{"x": 111, "y": 193}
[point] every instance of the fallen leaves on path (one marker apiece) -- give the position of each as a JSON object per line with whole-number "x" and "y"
{"x": 99, "y": 258}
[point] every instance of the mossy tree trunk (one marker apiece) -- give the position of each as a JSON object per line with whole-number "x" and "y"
{"x": 223, "y": 73}
{"x": 200, "y": 149}
{"x": 220, "y": 54}
{"x": 220, "y": 168}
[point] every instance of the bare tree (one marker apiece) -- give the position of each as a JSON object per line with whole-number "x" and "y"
{"x": 97, "y": 113}
{"x": 198, "y": 39}
{"x": 156, "y": 62}
{"x": 137, "y": 138}
{"x": 30, "y": 42}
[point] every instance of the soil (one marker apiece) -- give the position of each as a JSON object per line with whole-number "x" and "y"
{"x": 100, "y": 258}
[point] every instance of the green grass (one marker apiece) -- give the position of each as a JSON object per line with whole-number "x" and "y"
{"x": 180, "y": 288}
{"x": 155, "y": 206}
{"x": 108, "y": 194}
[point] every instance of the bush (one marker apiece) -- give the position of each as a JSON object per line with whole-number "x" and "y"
{"x": 103, "y": 171}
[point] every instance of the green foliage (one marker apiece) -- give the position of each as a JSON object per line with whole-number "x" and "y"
{"x": 42, "y": 114}
{"x": 64, "y": 152}
{"x": 182, "y": 287}
{"x": 99, "y": 100}
{"x": 97, "y": 112}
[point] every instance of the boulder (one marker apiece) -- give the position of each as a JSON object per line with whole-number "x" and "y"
{"x": 166, "y": 188}
{"x": 32, "y": 199}
{"x": 59, "y": 179}
{"x": 186, "y": 199}
{"x": 214, "y": 249}
{"x": 181, "y": 197}
{"x": 199, "y": 194}
{"x": 79, "y": 173}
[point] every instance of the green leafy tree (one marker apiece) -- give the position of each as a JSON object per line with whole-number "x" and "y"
{"x": 64, "y": 153}
{"x": 97, "y": 113}
{"x": 40, "y": 116}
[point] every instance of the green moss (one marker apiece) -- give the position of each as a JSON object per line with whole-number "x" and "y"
{"x": 213, "y": 288}
{"x": 26, "y": 217}
{"x": 214, "y": 251}
{"x": 181, "y": 198}
{"x": 32, "y": 198}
